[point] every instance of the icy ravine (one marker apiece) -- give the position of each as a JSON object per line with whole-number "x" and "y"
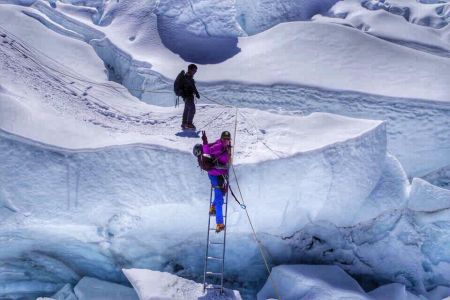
{"x": 96, "y": 224}
{"x": 88, "y": 202}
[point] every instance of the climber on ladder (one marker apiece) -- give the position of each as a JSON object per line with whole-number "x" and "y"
{"x": 220, "y": 152}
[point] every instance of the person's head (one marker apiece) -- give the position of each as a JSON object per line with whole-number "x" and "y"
{"x": 192, "y": 68}
{"x": 225, "y": 137}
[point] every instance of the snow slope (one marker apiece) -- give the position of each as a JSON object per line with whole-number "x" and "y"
{"x": 417, "y": 25}
{"x": 362, "y": 64}
{"x": 131, "y": 41}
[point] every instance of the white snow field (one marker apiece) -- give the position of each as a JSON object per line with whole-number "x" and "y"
{"x": 418, "y": 25}
{"x": 145, "y": 44}
{"x": 92, "y": 180}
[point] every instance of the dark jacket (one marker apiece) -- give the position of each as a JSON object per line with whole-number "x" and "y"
{"x": 189, "y": 88}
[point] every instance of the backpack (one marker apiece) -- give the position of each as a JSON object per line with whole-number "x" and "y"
{"x": 178, "y": 84}
{"x": 205, "y": 163}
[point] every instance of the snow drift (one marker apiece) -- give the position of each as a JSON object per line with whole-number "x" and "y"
{"x": 160, "y": 285}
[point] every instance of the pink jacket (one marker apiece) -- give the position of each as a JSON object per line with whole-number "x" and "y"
{"x": 217, "y": 150}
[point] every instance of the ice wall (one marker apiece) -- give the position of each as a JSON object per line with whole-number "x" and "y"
{"x": 92, "y": 212}
{"x": 257, "y": 16}
{"x": 399, "y": 245}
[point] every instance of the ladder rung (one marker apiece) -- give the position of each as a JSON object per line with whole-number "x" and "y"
{"x": 214, "y": 258}
{"x": 215, "y": 243}
{"x": 214, "y": 273}
{"x": 214, "y": 287}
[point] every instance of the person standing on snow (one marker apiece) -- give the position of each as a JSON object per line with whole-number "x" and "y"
{"x": 220, "y": 151}
{"x": 187, "y": 91}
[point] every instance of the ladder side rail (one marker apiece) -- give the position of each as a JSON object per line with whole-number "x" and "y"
{"x": 207, "y": 242}
{"x": 224, "y": 239}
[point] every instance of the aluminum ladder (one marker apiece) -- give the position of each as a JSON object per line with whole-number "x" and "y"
{"x": 215, "y": 251}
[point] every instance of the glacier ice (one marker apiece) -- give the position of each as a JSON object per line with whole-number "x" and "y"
{"x": 71, "y": 207}
{"x": 436, "y": 198}
{"x": 87, "y": 200}
{"x": 309, "y": 282}
{"x": 94, "y": 289}
{"x": 65, "y": 293}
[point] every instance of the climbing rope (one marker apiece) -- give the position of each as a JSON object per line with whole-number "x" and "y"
{"x": 257, "y": 136}
{"x": 217, "y": 102}
{"x": 258, "y": 242}
{"x": 244, "y": 207}
{"x": 210, "y": 121}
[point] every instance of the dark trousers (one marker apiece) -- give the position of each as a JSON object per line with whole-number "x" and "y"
{"x": 189, "y": 110}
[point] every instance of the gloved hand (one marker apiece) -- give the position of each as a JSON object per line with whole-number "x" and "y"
{"x": 204, "y": 138}
{"x": 229, "y": 149}
{"x": 198, "y": 96}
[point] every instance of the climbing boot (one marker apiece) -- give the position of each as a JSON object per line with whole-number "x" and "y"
{"x": 220, "y": 227}
{"x": 212, "y": 210}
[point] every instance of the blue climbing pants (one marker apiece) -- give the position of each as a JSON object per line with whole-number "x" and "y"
{"x": 218, "y": 198}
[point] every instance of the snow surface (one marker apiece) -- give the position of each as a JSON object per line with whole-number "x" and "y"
{"x": 417, "y": 25}
{"x": 360, "y": 64}
{"x": 162, "y": 285}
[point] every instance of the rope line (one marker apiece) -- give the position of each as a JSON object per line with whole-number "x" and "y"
{"x": 212, "y": 120}
{"x": 258, "y": 243}
{"x": 217, "y": 102}
{"x": 257, "y": 136}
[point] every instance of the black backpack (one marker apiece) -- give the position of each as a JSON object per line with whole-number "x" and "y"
{"x": 178, "y": 84}
{"x": 204, "y": 162}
